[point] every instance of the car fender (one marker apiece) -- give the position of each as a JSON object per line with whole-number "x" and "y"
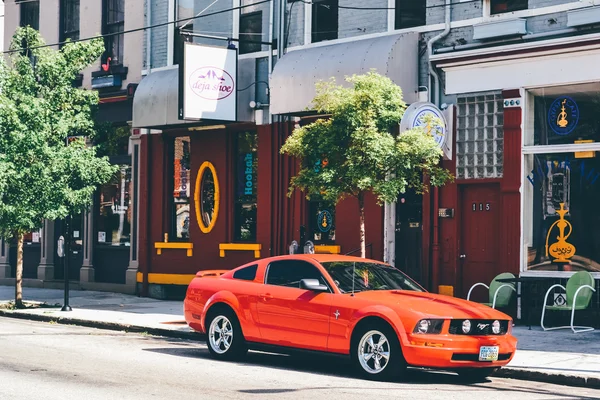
{"x": 383, "y": 312}
{"x": 226, "y": 297}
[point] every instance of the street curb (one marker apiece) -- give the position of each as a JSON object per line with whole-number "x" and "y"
{"x": 539, "y": 376}
{"x": 506, "y": 372}
{"x": 103, "y": 325}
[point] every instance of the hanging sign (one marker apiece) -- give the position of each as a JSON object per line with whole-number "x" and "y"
{"x": 208, "y": 83}
{"x": 418, "y": 115}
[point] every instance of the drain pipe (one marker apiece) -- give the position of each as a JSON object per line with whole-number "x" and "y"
{"x": 148, "y": 36}
{"x": 436, "y": 98}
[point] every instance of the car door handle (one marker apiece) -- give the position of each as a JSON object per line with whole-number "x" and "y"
{"x": 266, "y": 296}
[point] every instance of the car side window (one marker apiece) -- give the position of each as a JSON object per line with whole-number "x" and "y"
{"x": 290, "y": 272}
{"x": 246, "y": 274}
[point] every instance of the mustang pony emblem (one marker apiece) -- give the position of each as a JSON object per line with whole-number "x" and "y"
{"x": 482, "y": 326}
{"x": 337, "y": 314}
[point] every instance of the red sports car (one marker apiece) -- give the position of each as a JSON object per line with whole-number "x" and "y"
{"x": 362, "y": 308}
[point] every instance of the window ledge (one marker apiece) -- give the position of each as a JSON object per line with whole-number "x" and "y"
{"x": 117, "y": 69}
{"x": 240, "y": 247}
{"x": 498, "y": 29}
{"x": 174, "y": 245}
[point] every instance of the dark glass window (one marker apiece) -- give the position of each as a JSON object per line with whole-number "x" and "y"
{"x": 291, "y": 272}
{"x": 69, "y": 20}
{"x": 180, "y": 218}
{"x": 114, "y": 217}
{"x": 250, "y": 32}
{"x": 246, "y": 187}
{"x": 246, "y": 274}
{"x": 30, "y": 13}
{"x": 324, "y": 20}
{"x": 207, "y": 197}
{"x": 504, "y": 6}
{"x": 410, "y": 13}
{"x": 114, "y": 22}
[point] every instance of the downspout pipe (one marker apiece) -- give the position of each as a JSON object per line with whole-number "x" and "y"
{"x": 435, "y": 97}
{"x": 148, "y": 36}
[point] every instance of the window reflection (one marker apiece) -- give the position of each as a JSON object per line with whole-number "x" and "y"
{"x": 181, "y": 188}
{"x": 114, "y": 215}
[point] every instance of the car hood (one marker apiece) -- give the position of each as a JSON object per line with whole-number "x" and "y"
{"x": 425, "y": 305}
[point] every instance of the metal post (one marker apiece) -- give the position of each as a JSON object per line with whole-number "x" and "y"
{"x": 66, "y": 306}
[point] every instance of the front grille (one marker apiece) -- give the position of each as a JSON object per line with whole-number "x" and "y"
{"x": 475, "y": 357}
{"x": 479, "y": 327}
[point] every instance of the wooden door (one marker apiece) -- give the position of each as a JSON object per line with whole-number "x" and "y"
{"x": 480, "y": 238}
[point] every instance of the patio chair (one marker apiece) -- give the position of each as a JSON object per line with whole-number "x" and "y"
{"x": 500, "y": 294}
{"x": 579, "y": 295}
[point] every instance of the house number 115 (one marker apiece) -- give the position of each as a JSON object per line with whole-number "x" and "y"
{"x": 481, "y": 207}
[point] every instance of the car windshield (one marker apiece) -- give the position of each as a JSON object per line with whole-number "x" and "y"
{"x": 368, "y": 276}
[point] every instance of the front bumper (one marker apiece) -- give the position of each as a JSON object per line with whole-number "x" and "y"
{"x": 456, "y": 351}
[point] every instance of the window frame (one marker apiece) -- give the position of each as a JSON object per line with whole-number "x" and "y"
{"x": 324, "y": 280}
{"x": 66, "y": 7}
{"x": 29, "y": 5}
{"x": 314, "y": 32}
{"x": 488, "y": 9}
{"x": 171, "y": 205}
{"x": 107, "y": 28}
{"x": 254, "y": 36}
{"x": 398, "y": 13}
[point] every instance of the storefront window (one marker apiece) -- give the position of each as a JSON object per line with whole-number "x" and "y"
{"x": 181, "y": 188}
{"x": 114, "y": 215}
{"x": 562, "y": 180}
{"x": 246, "y": 187}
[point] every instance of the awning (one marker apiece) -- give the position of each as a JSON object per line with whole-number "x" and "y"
{"x": 295, "y": 74}
{"x": 155, "y": 102}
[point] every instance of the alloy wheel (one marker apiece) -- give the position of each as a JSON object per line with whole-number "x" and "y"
{"x": 374, "y": 352}
{"x": 220, "y": 334}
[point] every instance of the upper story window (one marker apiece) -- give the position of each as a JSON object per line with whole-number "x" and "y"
{"x": 505, "y": 6}
{"x": 113, "y": 22}
{"x": 30, "y": 13}
{"x": 69, "y": 20}
{"x": 324, "y": 20}
{"x": 250, "y": 32}
{"x": 410, "y": 13}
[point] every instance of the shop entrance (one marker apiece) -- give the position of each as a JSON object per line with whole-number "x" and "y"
{"x": 479, "y": 240}
{"x": 409, "y": 235}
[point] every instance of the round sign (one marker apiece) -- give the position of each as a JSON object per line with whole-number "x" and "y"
{"x": 417, "y": 116}
{"x": 563, "y": 115}
{"x": 324, "y": 221}
{"x": 211, "y": 83}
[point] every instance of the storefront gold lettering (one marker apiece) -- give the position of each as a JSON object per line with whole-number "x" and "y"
{"x": 560, "y": 250}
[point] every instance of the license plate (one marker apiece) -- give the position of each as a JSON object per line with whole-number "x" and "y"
{"x": 488, "y": 353}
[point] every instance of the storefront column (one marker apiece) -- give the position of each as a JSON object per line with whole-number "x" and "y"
{"x": 132, "y": 269}
{"x": 4, "y": 261}
{"x": 86, "y": 273}
{"x": 45, "y": 270}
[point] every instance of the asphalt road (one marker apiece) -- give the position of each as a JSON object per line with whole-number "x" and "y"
{"x": 45, "y": 361}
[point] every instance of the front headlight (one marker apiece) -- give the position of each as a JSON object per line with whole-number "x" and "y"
{"x": 466, "y": 326}
{"x": 429, "y": 326}
{"x": 496, "y": 327}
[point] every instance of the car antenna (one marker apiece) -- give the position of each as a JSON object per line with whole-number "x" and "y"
{"x": 353, "y": 276}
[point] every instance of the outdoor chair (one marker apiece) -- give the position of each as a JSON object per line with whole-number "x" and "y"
{"x": 579, "y": 295}
{"x": 500, "y": 294}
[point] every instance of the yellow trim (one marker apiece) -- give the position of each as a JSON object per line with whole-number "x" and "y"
{"x": 166, "y": 279}
{"x": 446, "y": 290}
{"x": 328, "y": 249}
{"x": 174, "y": 245}
{"x": 584, "y": 154}
{"x": 240, "y": 247}
{"x": 203, "y": 228}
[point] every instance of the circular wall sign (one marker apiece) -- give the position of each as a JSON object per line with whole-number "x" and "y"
{"x": 563, "y": 115}
{"x": 416, "y": 116}
{"x": 324, "y": 221}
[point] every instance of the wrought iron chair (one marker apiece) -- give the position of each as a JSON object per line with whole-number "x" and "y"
{"x": 579, "y": 295}
{"x": 500, "y": 294}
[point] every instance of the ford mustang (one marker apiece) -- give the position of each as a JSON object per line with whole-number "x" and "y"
{"x": 367, "y": 310}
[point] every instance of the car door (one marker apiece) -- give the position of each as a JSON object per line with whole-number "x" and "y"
{"x": 288, "y": 315}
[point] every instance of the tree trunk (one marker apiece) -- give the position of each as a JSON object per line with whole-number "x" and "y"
{"x": 361, "y": 212}
{"x": 19, "y": 273}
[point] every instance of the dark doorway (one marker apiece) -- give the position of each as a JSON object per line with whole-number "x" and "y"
{"x": 409, "y": 234}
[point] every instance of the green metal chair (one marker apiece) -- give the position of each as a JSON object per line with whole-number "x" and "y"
{"x": 579, "y": 290}
{"x": 500, "y": 293}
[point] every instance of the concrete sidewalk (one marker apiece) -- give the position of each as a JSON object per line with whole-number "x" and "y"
{"x": 560, "y": 357}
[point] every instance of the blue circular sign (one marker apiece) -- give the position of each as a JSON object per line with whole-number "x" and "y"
{"x": 324, "y": 221}
{"x": 563, "y": 116}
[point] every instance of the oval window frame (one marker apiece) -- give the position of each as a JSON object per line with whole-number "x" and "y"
{"x": 197, "y": 194}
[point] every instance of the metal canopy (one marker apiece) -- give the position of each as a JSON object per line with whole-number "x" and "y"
{"x": 295, "y": 74}
{"x": 155, "y": 101}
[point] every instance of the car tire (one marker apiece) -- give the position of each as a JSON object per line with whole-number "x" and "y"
{"x": 476, "y": 374}
{"x": 224, "y": 337}
{"x": 371, "y": 362}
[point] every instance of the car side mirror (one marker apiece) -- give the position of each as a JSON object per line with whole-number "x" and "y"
{"x": 314, "y": 285}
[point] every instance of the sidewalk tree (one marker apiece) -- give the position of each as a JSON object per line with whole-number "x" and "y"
{"x": 353, "y": 150}
{"x": 41, "y": 177}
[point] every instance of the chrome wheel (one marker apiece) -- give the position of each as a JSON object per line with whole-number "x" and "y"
{"x": 374, "y": 352}
{"x": 220, "y": 334}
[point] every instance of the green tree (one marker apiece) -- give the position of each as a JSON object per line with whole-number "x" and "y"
{"x": 40, "y": 111}
{"x": 353, "y": 150}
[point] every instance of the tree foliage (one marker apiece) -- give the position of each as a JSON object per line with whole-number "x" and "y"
{"x": 354, "y": 149}
{"x": 42, "y": 178}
